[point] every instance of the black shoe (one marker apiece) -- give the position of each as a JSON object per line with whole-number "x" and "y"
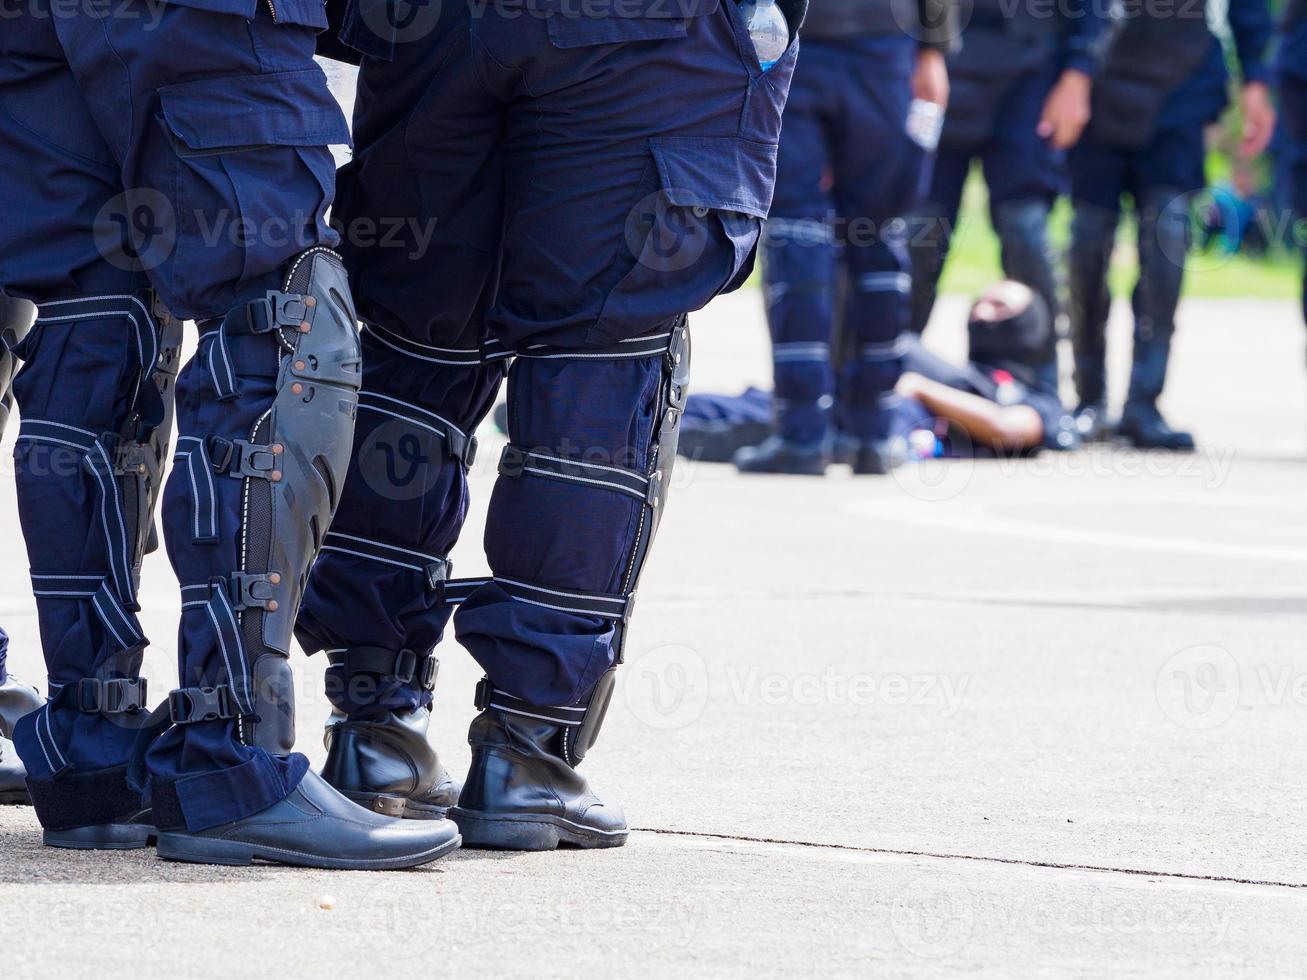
{"x": 16, "y": 700}
{"x": 1091, "y": 422}
{"x": 387, "y": 765}
{"x": 1143, "y": 427}
{"x": 879, "y": 457}
{"x": 13, "y": 777}
{"x": 316, "y": 827}
{"x": 521, "y": 793}
{"x": 718, "y": 442}
{"x": 778, "y": 455}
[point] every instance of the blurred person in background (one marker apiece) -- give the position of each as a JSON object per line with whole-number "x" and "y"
{"x": 16, "y": 699}
{"x": 996, "y": 404}
{"x": 1163, "y": 81}
{"x": 849, "y": 173}
{"x": 1020, "y": 100}
{"x": 1291, "y": 69}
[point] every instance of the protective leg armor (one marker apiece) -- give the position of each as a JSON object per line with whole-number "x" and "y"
{"x": 267, "y": 415}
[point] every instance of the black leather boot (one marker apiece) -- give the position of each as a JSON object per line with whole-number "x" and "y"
{"x": 879, "y": 457}
{"x": 1142, "y": 426}
{"x": 386, "y": 764}
{"x": 316, "y": 827}
{"x": 1091, "y": 421}
{"x": 16, "y": 700}
{"x": 778, "y": 455}
{"x": 523, "y": 792}
{"x": 13, "y": 777}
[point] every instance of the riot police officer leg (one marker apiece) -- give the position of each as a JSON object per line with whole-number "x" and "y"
{"x": 1163, "y": 244}
{"x": 800, "y": 262}
{"x": 1022, "y": 229}
{"x": 376, "y": 603}
{"x": 1093, "y": 239}
{"x": 931, "y": 231}
{"x": 523, "y": 791}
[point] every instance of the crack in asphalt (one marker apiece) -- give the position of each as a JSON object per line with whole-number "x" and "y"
{"x": 980, "y": 858}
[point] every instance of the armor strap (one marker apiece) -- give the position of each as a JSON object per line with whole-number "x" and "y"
{"x": 488, "y": 697}
{"x": 119, "y": 623}
{"x": 434, "y": 569}
{"x": 516, "y": 461}
{"x": 404, "y": 666}
{"x": 461, "y": 445}
{"x": 580, "y": 723}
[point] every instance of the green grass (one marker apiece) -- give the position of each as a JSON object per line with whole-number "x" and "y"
{"x": 974, "y": 262}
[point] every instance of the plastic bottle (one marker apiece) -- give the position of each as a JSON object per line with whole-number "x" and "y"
{"x": 768, "y": 28}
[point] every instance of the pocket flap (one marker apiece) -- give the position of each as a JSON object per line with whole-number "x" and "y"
{"x": 284, "y": 109}
{"x": 720, "y": 173}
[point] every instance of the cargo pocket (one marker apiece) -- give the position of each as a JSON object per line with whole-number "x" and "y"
{"x": 254, "y": 177}
{"x": 693, "y": 236}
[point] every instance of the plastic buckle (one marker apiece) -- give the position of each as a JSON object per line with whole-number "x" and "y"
{"x": 191, "y": 705}
{"x": 512, "y": 462}
{"x": 406, "y": 666}
{"x": 438, "y": 574}
{"x": 484, "y": 692}
{"x": 250, "y": 591}
{"x": 90, "y": 695}
{"x": 430, "y": 670}
{"x": 470, "y": 451}
{"x": 125, "y": 696}
{"x": 221, "y": 453}
{"x": 288, "y": 309}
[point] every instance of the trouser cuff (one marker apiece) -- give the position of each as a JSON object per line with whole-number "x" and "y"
{"x": 207, "y": 800}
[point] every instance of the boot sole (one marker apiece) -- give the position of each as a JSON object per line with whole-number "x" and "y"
{"x": 399, "y": 806}
{"x": 106, "y": 837}
{"x": 233, "y": 853}
{"x": 15, "y": 797}
{"x": 529, "y": 832}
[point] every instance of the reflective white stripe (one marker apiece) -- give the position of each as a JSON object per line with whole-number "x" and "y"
{"x": 384, "y": 561}
{"x": 429, "y": 559}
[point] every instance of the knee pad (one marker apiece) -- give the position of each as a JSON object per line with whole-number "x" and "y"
{"x": 300, "y": 344}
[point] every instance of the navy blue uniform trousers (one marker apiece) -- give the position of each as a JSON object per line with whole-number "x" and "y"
{"x": 561, "y": 191}
{"x": 1024, "y": 176}
{"x": 848, "y": 176}
{"x": 159, "y": 156}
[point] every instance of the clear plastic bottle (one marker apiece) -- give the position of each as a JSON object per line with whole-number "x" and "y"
{"x": 768, "y": 28}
